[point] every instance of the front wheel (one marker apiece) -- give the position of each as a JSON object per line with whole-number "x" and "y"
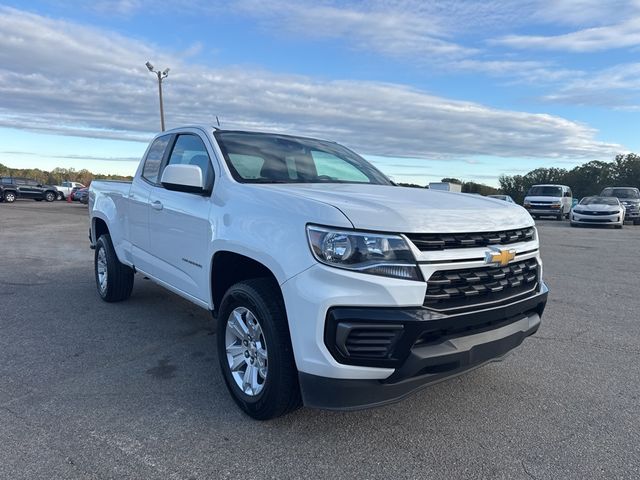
{"x": 113, "y": 279}
{"x": 50, "y": 196}
{"x": 60, "y": 196}
{"x": 254, "y": 350}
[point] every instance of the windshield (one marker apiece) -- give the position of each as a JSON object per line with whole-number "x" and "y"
{"x": 541, "y": 191}
{"x": 272, "y": 158}
{"x": 599, "y": 201}
{"x": 621, "y": 193}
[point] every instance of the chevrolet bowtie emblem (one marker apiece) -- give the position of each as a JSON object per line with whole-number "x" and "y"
{"x": 499, "y": 257}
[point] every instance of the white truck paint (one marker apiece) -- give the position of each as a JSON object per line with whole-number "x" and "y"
{"x": 174, "y": 237}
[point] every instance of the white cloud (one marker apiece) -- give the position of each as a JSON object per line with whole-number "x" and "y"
{"x": 622, "y": 35}
{"x": 60, "y": 77}
{"x": 616, "y": 87}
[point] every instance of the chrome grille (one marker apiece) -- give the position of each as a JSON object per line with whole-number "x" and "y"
{"x": 441, "y": 241}
{"x": 461, "y": 289}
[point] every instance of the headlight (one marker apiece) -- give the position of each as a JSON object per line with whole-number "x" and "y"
{"x": 577, "y": 210}
{"x": 374, "y": 253}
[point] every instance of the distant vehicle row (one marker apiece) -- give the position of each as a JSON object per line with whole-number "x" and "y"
{"x": 12, "y": 188}
{"x": 557, "y": 201}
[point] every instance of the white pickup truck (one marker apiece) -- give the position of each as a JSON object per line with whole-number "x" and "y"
{"x": 331, "y": 286}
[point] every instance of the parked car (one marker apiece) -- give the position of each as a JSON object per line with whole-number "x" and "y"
{"x": 549, "y": 201}
{"x": 598, "y": 210}
{"x": 74, "y": 190}
{"x": 332, "y": 287}
{"x": 629, "y": 197}
{"x": 82, "y": 195}
{"x": 13, "y": 188}
{"x": 66, "y": 188}
{"x": 505, "y": 198}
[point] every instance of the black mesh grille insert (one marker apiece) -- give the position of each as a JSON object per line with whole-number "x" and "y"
{"x": 459, "y": 289}
{"x": 371, "y": 341}
{"x": 441, "y": 241}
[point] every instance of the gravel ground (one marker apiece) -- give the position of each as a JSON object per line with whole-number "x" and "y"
{"x": 132, "y": 390}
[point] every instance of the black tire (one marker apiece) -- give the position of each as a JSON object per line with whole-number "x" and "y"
{"x": 618, "y": 227}
{"x": 50, "y": 196}
{"x": 280, "y": 393}
{"x": 119, "y": 277}
{"x": 10, "y": 197}
{"x": 560, "y": 216}
{"x": 60, "y": 196}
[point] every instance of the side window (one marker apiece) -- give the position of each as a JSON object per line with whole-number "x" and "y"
{"x": 6, "y": 181}
{"x": 328, "y": 165}
{"x": 32, "y": 183}
{"x": 190, "y": 150}
{"x": 152, "y": 163}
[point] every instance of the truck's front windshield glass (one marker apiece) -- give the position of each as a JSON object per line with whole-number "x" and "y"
{"x": 272, "y": 158}
{"x": 545, "y": 191}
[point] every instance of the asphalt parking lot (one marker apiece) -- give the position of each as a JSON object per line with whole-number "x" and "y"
{"x": 132, "y": 390}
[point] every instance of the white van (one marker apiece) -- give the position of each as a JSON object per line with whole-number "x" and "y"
{"x": 549, "y": 201}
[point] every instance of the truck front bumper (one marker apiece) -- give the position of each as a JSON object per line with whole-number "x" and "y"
{"x": 425, "y": 348}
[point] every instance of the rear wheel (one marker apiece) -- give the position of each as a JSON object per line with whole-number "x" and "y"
{"x": 254, "y": 350}
{"x": 50, "y": 196}
{"x": 59, "y": 196}
{"x": 113, "y": 279}
{"x": 9, "y": 197}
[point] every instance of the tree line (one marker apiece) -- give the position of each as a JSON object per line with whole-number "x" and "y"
{"x": 584, "y": 180}
{"x": 58, "y": 175}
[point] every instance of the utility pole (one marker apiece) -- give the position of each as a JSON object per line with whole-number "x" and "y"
{"x": 161, "y": 76}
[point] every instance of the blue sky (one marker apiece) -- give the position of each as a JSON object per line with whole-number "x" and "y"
{"x": 422, "y": 89}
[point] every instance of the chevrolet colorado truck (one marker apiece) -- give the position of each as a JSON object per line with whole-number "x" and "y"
{"x": 331, "y": 287}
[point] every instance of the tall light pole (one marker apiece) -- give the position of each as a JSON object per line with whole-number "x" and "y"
{"x": 161, "y": 76}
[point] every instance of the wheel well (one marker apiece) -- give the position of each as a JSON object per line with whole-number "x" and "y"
{"x": 230, "y": 268}
{"x": 99, "y": 228}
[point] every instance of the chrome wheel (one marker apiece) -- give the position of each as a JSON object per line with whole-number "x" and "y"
{"x": 102, "y": 270}
{"x": 246, "y": 351}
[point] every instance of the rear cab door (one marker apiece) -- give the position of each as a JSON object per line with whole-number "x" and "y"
{"x": 137, "y": 212}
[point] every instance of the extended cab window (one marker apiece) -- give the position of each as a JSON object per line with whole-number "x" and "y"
{"x": 153, "y": 161}
{"x": 190, "y": 150}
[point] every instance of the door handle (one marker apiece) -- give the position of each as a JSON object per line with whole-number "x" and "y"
{"x": 157, "y": 205}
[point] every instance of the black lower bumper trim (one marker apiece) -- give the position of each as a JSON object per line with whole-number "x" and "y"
{"x": 341, "y": 394}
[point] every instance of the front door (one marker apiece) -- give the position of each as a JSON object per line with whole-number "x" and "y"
{"x": 179, "y": 225}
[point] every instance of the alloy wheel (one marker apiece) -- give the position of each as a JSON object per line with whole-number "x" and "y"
{"x": 102, "y": 271}
{"x": 246, "y": 351}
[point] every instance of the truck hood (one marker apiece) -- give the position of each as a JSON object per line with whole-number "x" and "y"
{"x": 413, "y": 210}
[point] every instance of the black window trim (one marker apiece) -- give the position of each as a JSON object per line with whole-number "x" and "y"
{"x": 167, "y": 156}
{"x": 162, "y": 160}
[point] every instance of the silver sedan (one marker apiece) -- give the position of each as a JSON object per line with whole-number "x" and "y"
{"x": 598, "y": 211}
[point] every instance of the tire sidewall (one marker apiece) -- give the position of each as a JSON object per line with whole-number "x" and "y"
{"x": 237, "y": 296}
{"x": 9, "y": 197}
{"x": 50, "y": 196}
{"x": 103, "y": 243}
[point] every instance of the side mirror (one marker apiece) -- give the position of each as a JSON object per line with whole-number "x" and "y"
{"x": 183, "y": 178}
